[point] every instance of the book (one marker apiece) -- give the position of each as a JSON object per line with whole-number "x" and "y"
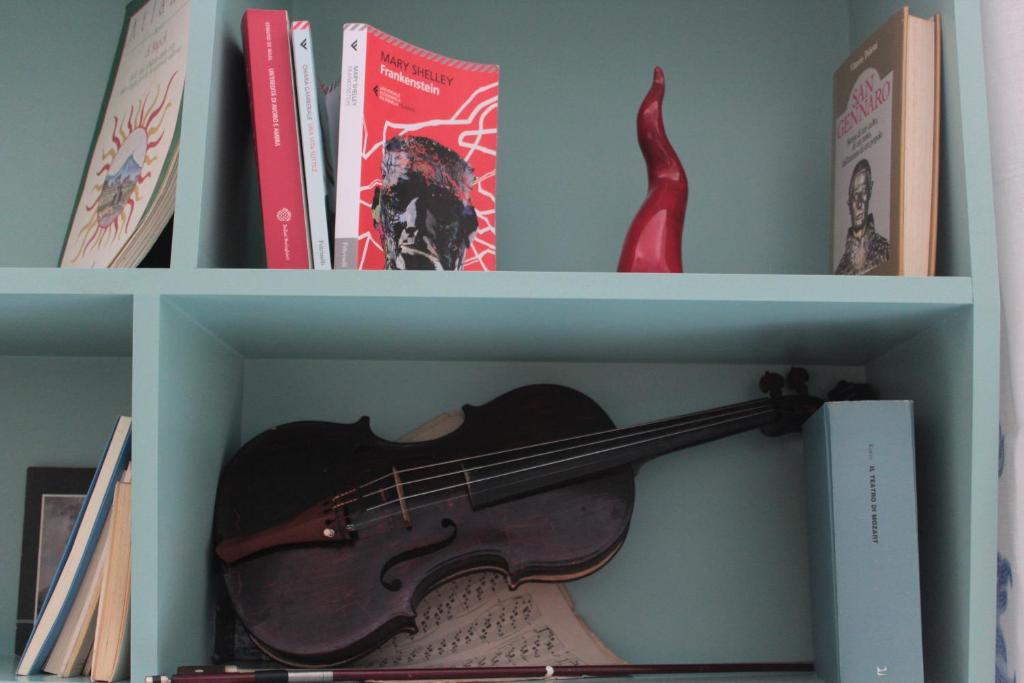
{"x": 312, "y": 143}
{"x": 330, "y": 101}
{"x": 78, "y": 552}
{"x": 53, "y": 499}
{"x": 74, "y": 643}
{"x": 112, "y": 635}
{"x": 885, "y": 160}
{"x": 268, "y": 69}
{"x": 862, "y": 533}
{"x": 416, "y": 159}
{"x": 126, "y": 196}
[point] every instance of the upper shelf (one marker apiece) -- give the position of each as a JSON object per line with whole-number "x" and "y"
{"x": 505, "y": 285}
{"x": 480, "y": 316}
{"x": 748, "y": 108}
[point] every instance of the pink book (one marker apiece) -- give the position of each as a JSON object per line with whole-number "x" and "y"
{"x": 275, "y": 131}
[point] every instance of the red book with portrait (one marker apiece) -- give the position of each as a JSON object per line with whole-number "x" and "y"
{"x": 417, "y": 151}
{"x": 275, "y": 132}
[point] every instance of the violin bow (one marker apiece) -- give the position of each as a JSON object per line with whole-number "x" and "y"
{"x": 231, "y": 674}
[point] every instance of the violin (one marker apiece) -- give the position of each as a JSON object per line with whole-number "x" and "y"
{"x": 328, "y": 536}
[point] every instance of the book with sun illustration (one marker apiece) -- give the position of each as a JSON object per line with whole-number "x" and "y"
{"x": 126, "y": 196}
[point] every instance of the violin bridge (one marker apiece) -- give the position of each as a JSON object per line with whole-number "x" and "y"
{"x": 406, "y": 519}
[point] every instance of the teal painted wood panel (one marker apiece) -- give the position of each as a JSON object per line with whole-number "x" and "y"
{"x": 985, "y": 370}
{"x": 930, "y": 369}
{"x": 146, "y": 571}
{"x": 225, "y": 205}
{"x": 54, "y": 411}
{"x": 698, "y": 330}
{"x": 940, "y": 291}
{"x": 193, "y": 158}
{"x": 50, "y": 112}
{"x": 966, "y": 202}
{"x": 65, "y": 324}
{"x": 198, "y": 417}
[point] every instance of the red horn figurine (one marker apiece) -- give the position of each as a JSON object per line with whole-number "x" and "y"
{"x": 654, "y": 243}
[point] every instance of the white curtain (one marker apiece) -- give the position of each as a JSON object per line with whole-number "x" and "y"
{"x": 1003, "y": 26}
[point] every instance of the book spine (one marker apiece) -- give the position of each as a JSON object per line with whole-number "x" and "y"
{"x": 275, "y": 133}
{"x": 329, "y": 100}
{"x": 864, "y": 565}
{"x": 350, "y": 146}
{"x": 312, "y": 143}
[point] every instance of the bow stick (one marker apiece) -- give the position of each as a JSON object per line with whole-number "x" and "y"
{"x": 222, "y": 674}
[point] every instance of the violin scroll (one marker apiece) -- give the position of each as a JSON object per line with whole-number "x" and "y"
{"x": 852, "y": 391}
{"x": 793, "y": 410}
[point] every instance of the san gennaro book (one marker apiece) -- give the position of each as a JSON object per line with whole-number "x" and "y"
{"x": 417, "y": 151}
{"x": 885, "y": 151}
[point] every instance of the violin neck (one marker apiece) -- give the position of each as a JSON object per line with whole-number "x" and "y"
{"x": 535, "y": 468}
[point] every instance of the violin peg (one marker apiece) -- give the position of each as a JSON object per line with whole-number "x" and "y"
{"x": 852, "y": 391}
{"x": 796, "y": 380}
{"x": 771, "y": 383}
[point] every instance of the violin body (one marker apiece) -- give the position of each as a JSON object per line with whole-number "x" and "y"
{"x": 320, "y": 603}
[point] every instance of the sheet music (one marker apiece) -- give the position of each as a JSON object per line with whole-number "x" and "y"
{"x": 476, "y": 620}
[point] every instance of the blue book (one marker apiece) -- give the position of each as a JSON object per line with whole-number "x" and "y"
{"x": 78, "y": 551}
{"x": 862, "y": 524}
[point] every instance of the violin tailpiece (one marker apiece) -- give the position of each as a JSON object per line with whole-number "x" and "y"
{"x": 324, "y": 522}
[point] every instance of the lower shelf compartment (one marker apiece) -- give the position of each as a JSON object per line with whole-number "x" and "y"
{"x": 714, "y": 567}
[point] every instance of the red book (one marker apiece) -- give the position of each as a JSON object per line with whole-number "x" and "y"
{"x": 417, "y": 152}
{"x": 268, "y": 67}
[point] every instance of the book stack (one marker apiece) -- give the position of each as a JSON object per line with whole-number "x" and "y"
{"x": 408, "y": 176}
{"x": 82, "y": 626}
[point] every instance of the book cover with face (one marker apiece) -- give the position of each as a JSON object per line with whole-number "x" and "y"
{"x": 417, "y": 157}
{"x": 866, "y": 150}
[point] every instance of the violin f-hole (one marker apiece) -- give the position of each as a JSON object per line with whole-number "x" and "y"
{"x": 395, "y": 584}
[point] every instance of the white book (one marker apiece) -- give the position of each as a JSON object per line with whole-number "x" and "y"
{"x": 79, "y": 551}
{"x": 350, "y": 146}
{"x": 312, "y": 143}
{"x": 75, "y": 640}
{"x": 111, "y": 643}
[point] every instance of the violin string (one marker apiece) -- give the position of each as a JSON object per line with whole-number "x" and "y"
{"x": 700, "y": 414}
{"x": 618, "y": 432}
{"x": 584, "y": 440}
{"x": 539, "y": 475}
{"x": 571, "y": 458}
{"x": 375, "y": 520}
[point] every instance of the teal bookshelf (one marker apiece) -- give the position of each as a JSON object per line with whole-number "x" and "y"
{"x": 213, "y": 349}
